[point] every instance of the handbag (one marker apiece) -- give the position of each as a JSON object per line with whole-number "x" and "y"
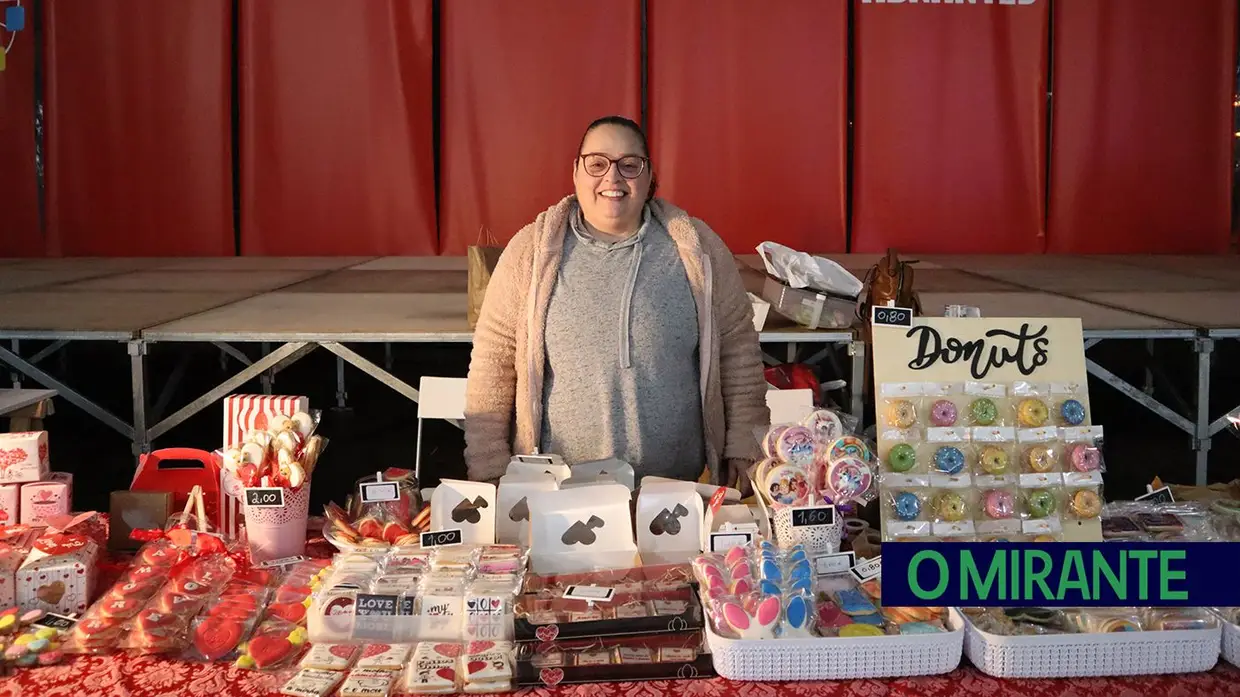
{"x": 482, "y": 259}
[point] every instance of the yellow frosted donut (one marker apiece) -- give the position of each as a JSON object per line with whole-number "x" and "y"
{"x": 1086, "y": 504}
{"x": 1040, "y": 459}
{"x": 901, "y": 413}
{"x": 994, "y": 460}
{"x": 1032, "y": 412}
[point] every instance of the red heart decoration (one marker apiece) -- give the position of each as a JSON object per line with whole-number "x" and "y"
{"x": 151, "y": 619}
{"x": 547, "y": 632}
{"x": 551, "y": 676}
{"x": 479, "y": 646}
{"x": 375, "y": 650}
{"x": 60, "y": 543}
{"x": 446, "y": 674}
{"x": 120, "y": 607}
{"x": 344, "y": 651}
{"x": 269, "y": 650}
{"x": 475, "y": 666}
{"x": 293, "y": 612}
{"x": 449, "y": 650}
{"x": 217, "y": 636}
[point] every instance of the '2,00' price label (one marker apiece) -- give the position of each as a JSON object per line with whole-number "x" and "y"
{"x": 264, "y": 497}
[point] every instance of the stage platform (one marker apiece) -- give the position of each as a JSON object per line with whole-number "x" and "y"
{"x": 292, "y": 306}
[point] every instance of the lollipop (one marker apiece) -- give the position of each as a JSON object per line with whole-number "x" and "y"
{"x": 825, "y": 424}
{"x": 849, "y": 478}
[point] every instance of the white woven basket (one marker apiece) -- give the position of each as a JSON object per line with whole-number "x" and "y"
{"x": 1231, "y": 643}
{"x": 835, "y": 658}
{"x": 1090, "y": 655}
{"x": 817, "y": 539}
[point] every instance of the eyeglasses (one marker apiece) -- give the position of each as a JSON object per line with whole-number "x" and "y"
{"x": 597, "y": 164}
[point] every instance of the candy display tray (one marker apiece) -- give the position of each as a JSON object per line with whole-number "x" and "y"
{"x": 835, "y": 658}
{"x": 1089, "y": 655}
{"x": 690, "y": 619}
{"x": 580, "y": 660}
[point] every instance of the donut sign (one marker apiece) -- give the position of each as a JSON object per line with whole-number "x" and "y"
{"x": 985, "y": 431}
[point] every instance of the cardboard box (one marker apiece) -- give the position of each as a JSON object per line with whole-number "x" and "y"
{"x": 136, "y": 510}
{"x": 59, "y": 574}
{"x": 467, "y": 506}
{"x": 50, "y": 497}
{"x": 23, "y": 457}
{"x": 10, "y": 504}
{"x": 571, "y": 532}
{"x": 669, "y": 522}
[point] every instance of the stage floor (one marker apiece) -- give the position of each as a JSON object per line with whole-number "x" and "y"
{"x": 423, "y": 298}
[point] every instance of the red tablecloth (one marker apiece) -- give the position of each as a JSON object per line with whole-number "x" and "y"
{"x": 127, "y": 676}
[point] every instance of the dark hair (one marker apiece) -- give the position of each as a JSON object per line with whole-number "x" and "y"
{"x": 632, "y": 126}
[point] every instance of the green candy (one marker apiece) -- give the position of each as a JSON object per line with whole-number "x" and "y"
{"x": 901, "y": 457}
{"x": 983, "y": 411}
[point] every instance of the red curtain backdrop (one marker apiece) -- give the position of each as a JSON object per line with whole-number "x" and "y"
{"x": 950, "y": 127}
{"x": 19, "y": 186}
{"x": 1142, "y": 126}
{"x": 748, "y": 111}
{"x": 138, "y": 128}
{"x": 521, "y": 81}
{"x": 337, "y": 156}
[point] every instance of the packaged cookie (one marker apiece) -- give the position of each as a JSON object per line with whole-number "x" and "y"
{"x": 1067, "y": 403}
{"x": 1031, "y": 404}
{"x": 487, "y": 667}
{"x": 432, "y": 669}
{"x": 992, "y": 455}
{"x": 367, "y": 683}
{"x": 336, "y": 657}
{"x": 906, "y": 513}
{"x": 311, "y": 682}
{"x": 997, "y": 513}
{"x": 899, "y": 406}
{"x": 943, "y": 405}
{"x": 274, "y": 645}
{"x": 384, "y": 656}
{"x": 985, "y": 404}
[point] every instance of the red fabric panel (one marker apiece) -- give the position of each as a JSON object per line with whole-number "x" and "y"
{"x": 521, "y": 81}
{"x": 739, "y": 138}
{"x": 19, "y": 185}
{"x": 138, "y": 128}
{"x": 1142, "y": 126}
{"x": 337, "y": 155}
{"x": 950, "y": 127}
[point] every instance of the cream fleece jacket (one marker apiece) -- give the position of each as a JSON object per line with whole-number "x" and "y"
{"x": 503, "y": 401}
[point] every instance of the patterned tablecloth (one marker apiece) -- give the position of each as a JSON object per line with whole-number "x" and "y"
{"x": 129, "y": 676}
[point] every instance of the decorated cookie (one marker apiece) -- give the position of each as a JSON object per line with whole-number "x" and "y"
{"x": 312, "y": 682}
{"x": 825, "y": 424}
{"x": 384, "y": 656}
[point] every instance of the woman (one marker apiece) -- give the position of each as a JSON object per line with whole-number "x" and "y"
{"x": 615, "y": 325}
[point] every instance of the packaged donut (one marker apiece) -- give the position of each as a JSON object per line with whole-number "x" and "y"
{"x": 951, "y": 512}
{"x": 1039, "y": 450}
{"x": 899, "y": 405}
{"x": 1082, "y": 503}
{"x": 985, "y": 404}
{"x": 907, "y": 512}
{"x": 943, "y": 405}
{"x": 1040, "y": 511}
{"x": 946, "y": 448}
{"x": 1081, "y": 456}
{"x": 997, "y": 512}
{"x": 1067, "y": 404}
{"x": 993, "y": 455}
{"x": 901, "y": 455}
{"x": 1030, "y": 404}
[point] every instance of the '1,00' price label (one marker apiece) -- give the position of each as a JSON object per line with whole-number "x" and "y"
{"x": 264, "y": 497}
{"x": 442, "y": 538}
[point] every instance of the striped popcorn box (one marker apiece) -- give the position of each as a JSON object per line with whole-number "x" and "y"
{"x": 244, "y": 413}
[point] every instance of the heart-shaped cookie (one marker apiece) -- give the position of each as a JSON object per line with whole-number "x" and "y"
{"x": 120, "y": 607}
{"x": 447, "y": 674}
{"x": 293, "y": 612}
{"x": 547, "y": 632}
{"x": 176, "y": 603}
{"x": 344, "y": 651}
{"x": 152, "y": 619}
{"x": 292, "y": 594}
{"x": 375, "y": 650}
{"x": 234, "y": 612}
{"x": 215, "y": 637}
{"x": 449, "y": 650}
{"x": 268, "y": 650}
{"x": 551, "y": 676}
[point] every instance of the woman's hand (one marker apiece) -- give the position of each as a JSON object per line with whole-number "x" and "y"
{"x": 738, "y": 476}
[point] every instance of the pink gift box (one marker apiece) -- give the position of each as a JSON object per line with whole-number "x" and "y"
{"x": 14, "y": 545}
{"x": 59, "y": 574}
{"x": 23, "y": 457}
{"x": 9, "y": 504}
{"x": 51, "y": 497}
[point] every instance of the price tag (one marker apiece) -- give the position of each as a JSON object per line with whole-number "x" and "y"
{"x": 375, "y": 605}
{"x": 1160, "y": 495}
{"x": 54, "y": 621}
{"x": 264, "y": 497}
{"x": 868, "y": 569}
{"x": 891, "y": 316}
{"x": 723, "y": 541}
{"x": 592, "y": 594}
{"x": 282, "y": 561}
{"x": 813, "y": 515}
{"x": 442, "y": 538}
{"x": 379, "y": 492}
{"x": 832, "y": 564}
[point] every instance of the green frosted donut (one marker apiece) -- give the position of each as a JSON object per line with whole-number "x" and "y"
{"x": 983, "y": 411}
{"x": 901, "y": 457}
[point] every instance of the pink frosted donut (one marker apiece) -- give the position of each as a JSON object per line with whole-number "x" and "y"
{"x": 999, "y": 504}
{"x": 943, "y": 413}
{"x": 1084, "y": 457}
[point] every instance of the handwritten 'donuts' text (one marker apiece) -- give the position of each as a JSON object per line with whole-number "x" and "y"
{"x": 1026, "y": 349}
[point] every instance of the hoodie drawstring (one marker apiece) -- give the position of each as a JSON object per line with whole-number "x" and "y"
{"x": 626, "y": 358}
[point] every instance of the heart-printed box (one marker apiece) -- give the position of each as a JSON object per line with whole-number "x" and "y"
{"x": 59, "y": 574}
{"x": 512, "y": 513}
{"x": 465, "y": 506}
{"x": 573, "y": 533}
{"x": 23, "y": 457}
{"x": 15, "y": 543}
{"x": 50, "y": 497}
{"x": 10, "y": 503}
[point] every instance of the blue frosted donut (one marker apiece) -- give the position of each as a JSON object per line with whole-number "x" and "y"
{"x": 949, "y": 460}
{"x": 1073, "y": 412}
{"x": 908, "y": 506}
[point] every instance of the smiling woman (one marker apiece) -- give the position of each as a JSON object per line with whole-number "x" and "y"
{"x": 615, "y": 325}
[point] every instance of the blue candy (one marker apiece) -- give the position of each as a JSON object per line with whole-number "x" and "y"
{"x": 949, "y": 460}
{"x": 771, "y": 571}
{"x": 769, "y": 588}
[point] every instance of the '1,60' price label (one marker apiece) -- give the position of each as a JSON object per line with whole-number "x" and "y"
{"x": 264, "y": 497}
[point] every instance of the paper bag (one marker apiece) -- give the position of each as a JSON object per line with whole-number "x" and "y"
{"x": 467, "y": 506}
{"x": 669, "y": 522}
{"x": 512, "y": 510}
{"x": 572, "y": 533}
{"x": 482, "y": 261}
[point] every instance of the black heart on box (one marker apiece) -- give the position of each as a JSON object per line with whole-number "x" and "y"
{"x": 668, "y": 521}
{"x": 582, "y": 533}
{"x": 520, "y": 511}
